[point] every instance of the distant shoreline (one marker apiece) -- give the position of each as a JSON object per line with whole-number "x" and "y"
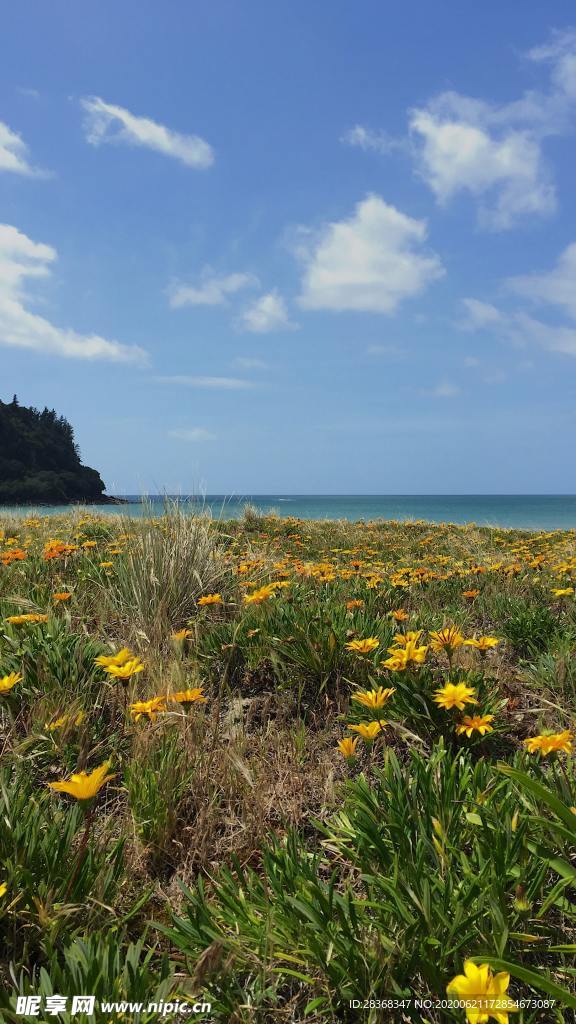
{"x": 105, "y": 500}
{"x": 522, "y": 512}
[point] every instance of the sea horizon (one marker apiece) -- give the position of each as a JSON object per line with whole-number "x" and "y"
{"x": 505, "y": 511}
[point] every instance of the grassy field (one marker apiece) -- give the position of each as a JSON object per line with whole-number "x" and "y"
{"x": 332, "y": 763}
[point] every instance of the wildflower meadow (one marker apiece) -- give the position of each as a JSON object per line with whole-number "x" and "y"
{"x": 304, "y": 771}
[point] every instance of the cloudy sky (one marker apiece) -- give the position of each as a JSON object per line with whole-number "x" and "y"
{"x": 261, "y": 247}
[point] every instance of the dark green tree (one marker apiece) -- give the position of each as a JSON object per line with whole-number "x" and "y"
{"x": 40, "y": 460}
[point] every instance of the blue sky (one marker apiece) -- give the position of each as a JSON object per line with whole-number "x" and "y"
{"x": 294, "y": 247}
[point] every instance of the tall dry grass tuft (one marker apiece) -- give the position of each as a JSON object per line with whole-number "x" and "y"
{"x": 168, "y": 563}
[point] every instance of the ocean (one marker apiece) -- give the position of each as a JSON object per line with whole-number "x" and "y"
{"x": 521, "y": 511}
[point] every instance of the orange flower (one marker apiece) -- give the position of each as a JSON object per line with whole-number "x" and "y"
{"x": 182, "y": 634}
{"x": 62, "y": 595}
{"x": 475, "y": 723}
{"x": 550, "y": 743}
{"x": 15, "y": 555}
{"x": 399, "y": 615}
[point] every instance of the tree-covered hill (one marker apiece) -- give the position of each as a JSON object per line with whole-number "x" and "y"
{"x": 40, "y": 461}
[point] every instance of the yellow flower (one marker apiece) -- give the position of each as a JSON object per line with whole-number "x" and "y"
{"x": 447, "y": 639}
{"x": 368, "y": 730}
{"x": 455, "y": 695}
{"x": 374, "y": 698}
{"x": 3, "y": 889}
{"x": 403, "y": 639}
{"x": 193, "y": 696}
{"x": 19, "y": 620}
{"x": 62, "y": 595}
{"x": 151, "y": 708}
{"x": 406, "y": 650}
{"x": 414, "y": 653}
{"x": 122, "y": 656}
{"x": 260, "y": 595}
{"x": 483, "y": 993}
{"x": 373, "y": 582}
{"x": 562, "y": 591}
{"x": 363, "y": 646}
{"x": 550, "y": 743}
{"x": 483, "y": 643}
{"x": 84, "y": 786}
{"x": 398, "y": 660}
{"x": 127, "y": 670}
{"x": 65, "y": 720}
{"x": 7, "y": 682}
{"x": 106, "y": 565}
{"x": 210, "y": 599}
{"x": 347, "y": 746}
{"x": 182, "y": 634}
{"x": 475, "y": 723}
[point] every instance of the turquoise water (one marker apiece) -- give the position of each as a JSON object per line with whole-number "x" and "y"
{"x": 523, "y": 511}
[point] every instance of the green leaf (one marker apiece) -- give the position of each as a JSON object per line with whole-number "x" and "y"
{"x": 532, "y": 978}
{"x": 473, "y": 818}
{"x": 541, "y": 793}
{"x": 314, "y": 1004}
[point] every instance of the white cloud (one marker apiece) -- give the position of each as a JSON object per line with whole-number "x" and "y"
{"x": 192, "y": 434}
{"x": 14, "y": 154}
{"x": 445, "y": 390}
{"x": 548, "y": 336}
{"x": 560, "y": 52}
{"x": 493, "y": 152}
{"x": 392, "y": 351}
{"x": 365, "y": 138}
{"x": 248, "y": 363}
{"x": 211, "y": 290}
{"x": 368, "y": 263}
{"x": 520, "y": 328}
{"x": 32, "y": 94}
{"x": 222, "y": 383}
{"x": 556, "y": 287}
{"x": 479, "y": 315}
{"x": 21, "y": 259}
{"x": 105, "y": 122}
{"x": 456, "y": 152}
{"x": 266, "y": 314}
